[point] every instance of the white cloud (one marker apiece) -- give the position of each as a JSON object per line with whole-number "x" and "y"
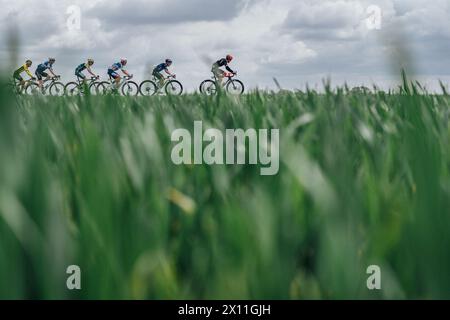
{"x": 326, "y": 14}
{"x": 289, "y": 51}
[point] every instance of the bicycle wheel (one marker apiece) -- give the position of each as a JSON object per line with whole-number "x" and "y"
{"x": 174, "y": 88}
{"x": 72, "y": 89}
{"x": 93, "y": 88}
{"x": 130, "y": 88}
{"x": 103, "y": 88}
{"x": 17, "y": 89}
{"x": 148, "y": 88}
{"x": 56, "y": 89}
{"x": 208, "y": 87}
{"x": 235, "y": 86}
{"x": 14, "y": 86}
{"x": 32, "y": 89}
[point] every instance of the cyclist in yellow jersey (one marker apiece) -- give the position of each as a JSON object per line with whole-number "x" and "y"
{"x": 24, "y": 68}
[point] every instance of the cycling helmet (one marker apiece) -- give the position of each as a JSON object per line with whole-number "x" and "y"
{"x": 90, "y": 61}
{"x": 51, "y": 59}
{"x": 168, "y": 61}
{"x": 28, "y": 62}
{"x": 123, "y": 61}
{"x": 229, "y": 57}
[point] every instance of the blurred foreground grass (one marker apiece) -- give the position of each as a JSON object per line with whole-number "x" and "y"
{"x": 363, "y": 179}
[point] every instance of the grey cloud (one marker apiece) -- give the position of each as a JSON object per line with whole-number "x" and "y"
{"x": 328, "y": 20}
{"x": 31, "y": 28}
{"x": 140, "y": 12}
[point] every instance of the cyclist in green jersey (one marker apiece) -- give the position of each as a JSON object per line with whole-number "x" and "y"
{"x": 85, "y": 66}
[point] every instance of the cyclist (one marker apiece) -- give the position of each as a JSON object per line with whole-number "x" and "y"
{"x": 219, "y": 73}
{"x": 159, "y": 68}
{"x": 40, "y": 70}
{"x": 24, "y": 68}
{"x": 85, "y": 66}
{"x": 112, "y": 71}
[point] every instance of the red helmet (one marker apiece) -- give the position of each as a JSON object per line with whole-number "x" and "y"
{"x": 229, "y": 57}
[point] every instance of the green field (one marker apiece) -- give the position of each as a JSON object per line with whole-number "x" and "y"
{"x": 364, "y": 179}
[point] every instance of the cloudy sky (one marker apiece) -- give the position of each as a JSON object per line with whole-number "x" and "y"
{"x": 296, "y": 41}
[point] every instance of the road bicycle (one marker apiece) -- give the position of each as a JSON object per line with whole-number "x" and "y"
{"x": 50, "y": 85}
{"x": 171, "y": 86}
{"x": 15, "y": 86}
{"x": 127, "y": 87}
{"x": 77, "y": 88}
{"x": 232, "y": 86}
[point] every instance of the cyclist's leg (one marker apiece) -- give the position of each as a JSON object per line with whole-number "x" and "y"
{"x": 47, "y": 77}
{"x": 218, "y": 73}
{"x": 17, "y": 77}
{"x": 80, "y": 75}
{"x": 39, "y": 76}
{"x": 117, "y": 79}
{"x": 160, "y": 78}
{"x": 115, "y": 76}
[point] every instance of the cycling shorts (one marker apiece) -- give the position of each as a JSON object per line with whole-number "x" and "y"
{"x": 41, "y": 74}
{"x": 113, "y": 74}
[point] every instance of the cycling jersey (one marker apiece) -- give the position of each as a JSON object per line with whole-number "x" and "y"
{"x": 22, "y": 69}
{"x": 79, "y": 70}
{"x": 81, "y": 67}
{"x": 160, "y": 67}
{"x": 112, "y": 70}
{"x": 116, "y": 66}
{"x": 223, "y": 63}
{"x": 44, "y": 66}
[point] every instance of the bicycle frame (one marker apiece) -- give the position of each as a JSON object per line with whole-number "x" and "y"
{"x": 166, "y": 79}
{"x": 18, "y": 87}
{"x": 123, "y": 79}
{"x": 227, "y": 75}
{"x": 90, "y": 81}
{"x": 49, "y": 81}
{"x": 81, "y": 84}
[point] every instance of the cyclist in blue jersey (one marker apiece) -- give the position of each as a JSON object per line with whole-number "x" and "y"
{"x": 85, "y": 66}
{"x": 112, "y": 71}
{"x": 40, "y": 71}
{"x": 162, "y": 67}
